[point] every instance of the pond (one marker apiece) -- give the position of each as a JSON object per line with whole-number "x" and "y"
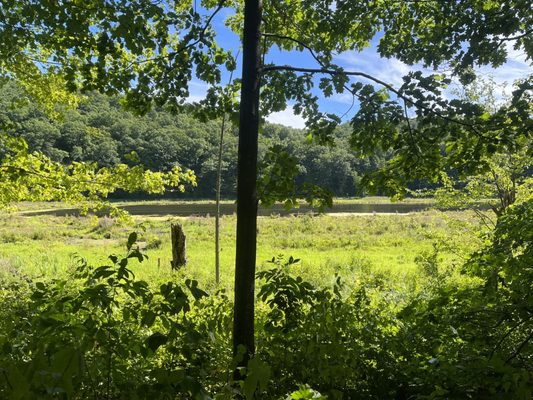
{"x": 204, "y": 209}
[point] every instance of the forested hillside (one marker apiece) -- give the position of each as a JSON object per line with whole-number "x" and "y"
{"x": 100, "y": 130}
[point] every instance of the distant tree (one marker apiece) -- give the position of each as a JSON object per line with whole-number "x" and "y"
{"x": 85, "y": 143}
{"x": 506, "y": 176}
{"x": 43, "y": 135}
{"x": 31, "y": 176}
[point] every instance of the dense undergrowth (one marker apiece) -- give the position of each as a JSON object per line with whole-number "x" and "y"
{"x": 104, "y": 334}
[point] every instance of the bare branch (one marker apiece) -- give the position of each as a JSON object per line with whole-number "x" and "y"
{"x": 351, "y": 105}
{"x": 504, "y": 336}
{"x": 299, "y": 42}
{"x": 506, "y": 39}
{"x": 485, "y": 219}
{"x": 318, "y": 60}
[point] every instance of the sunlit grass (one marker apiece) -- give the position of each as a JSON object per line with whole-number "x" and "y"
{"x": 348, "y": 245}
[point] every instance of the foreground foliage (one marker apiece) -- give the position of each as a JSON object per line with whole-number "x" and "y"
{"x": 32, "y": 176}
{"x": 98, "y": 335}
{"x": 106, "y": 334}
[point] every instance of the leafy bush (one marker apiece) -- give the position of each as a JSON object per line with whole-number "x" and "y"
{"x": 105, "y": 334}
{"x": 466, "y": 336}
{"x": 338, "y": 344}
{"x": 474, "y": 340}
{"x": 153, "y": 243}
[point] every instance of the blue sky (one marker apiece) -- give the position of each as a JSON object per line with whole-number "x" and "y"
{"x": 368, "y": 61}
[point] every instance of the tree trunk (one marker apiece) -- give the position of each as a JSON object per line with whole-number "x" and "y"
{"x": 177, "y": 238}
{"x": 243, "y": 322}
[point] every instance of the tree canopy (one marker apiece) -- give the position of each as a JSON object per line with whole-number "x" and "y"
{"x": 98, "y": 130}
{"x": 149, "y": 51}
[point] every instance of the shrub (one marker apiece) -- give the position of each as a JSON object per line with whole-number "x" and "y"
{"x": 105, "y": 334}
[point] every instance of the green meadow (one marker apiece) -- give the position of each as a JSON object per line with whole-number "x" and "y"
{"x": 391, "y": 245}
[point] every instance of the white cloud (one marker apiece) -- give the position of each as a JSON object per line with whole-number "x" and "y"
{"x": 343, "y": 98}
{"x": 197, "y": 91}
{"x": 287, "y": 118}
{"x": 513, "y": 54}
{"x": 516, "y": 67}
{"x": 391, "y": 70}
{"x": 388, "y": 70}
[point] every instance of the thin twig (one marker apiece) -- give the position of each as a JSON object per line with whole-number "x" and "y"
{"x": 317, "y": 59}
{"x": 299, "y": 42}
{"x": 506, "y": 39}
{"x": 484, "y": 218}
{"x": 511, "y": 330}
{"x": 351, "y": 105}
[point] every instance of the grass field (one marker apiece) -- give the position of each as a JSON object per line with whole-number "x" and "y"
{"x": 392, "y": 315}
{"x": 348, "y": 245}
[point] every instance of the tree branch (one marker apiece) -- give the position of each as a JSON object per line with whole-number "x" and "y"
{"x": 189, "y": 45}
{"x": 369, "y": 77}
{"x": 317, "y": 59}
{"x": 502, "y": 339}
{"x": 506, "y": 39}
{"x": 299, "y": 42}
{"x": 519, "y": 348}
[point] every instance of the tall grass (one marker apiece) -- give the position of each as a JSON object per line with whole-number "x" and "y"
{"x": 349, "y": 245}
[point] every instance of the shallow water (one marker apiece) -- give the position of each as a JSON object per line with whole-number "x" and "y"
{"x": 204, "y": 209}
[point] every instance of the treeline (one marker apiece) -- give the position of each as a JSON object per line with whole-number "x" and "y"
{"x": 100, "y": 130}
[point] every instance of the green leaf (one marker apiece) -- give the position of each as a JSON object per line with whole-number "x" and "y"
{"x": 148, "y": 318}
{"x": 257, "y": 377}
{"x": 305, "y": 393}
{"x": 197, "y": 293}
{"x": 155, "y": 340}
{"x": 132, "y": 238}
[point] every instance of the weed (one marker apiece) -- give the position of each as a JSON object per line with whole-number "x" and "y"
{"x": 153, "y": 243}
{"x": 11, "y": 237}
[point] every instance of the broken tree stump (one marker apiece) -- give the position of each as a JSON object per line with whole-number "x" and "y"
{"x": 177, "y": 238}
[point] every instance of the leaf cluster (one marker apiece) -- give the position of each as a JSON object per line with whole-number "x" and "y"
{"x": 105, "y": 334}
